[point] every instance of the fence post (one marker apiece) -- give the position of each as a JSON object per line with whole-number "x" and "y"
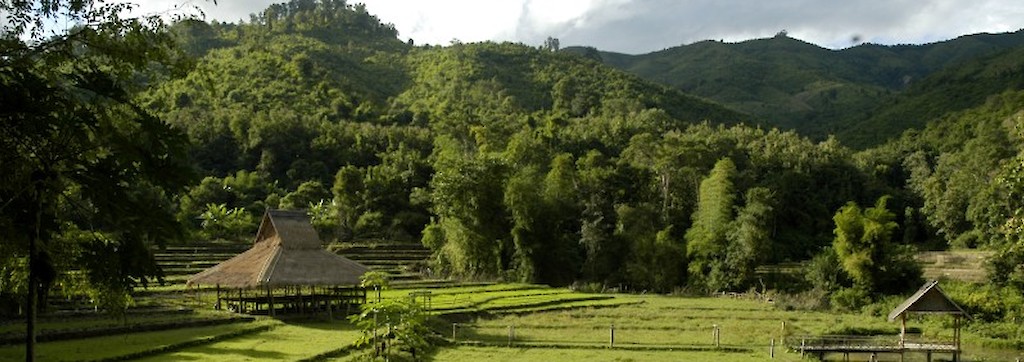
{"x": 511, "y": 334}
{"x": 611, "y": 337}
{"x": 715, "y": 335}
{"x": 771, "y": 349}
{"x": 802, "y": 342}
{"x": 454, "y": 326}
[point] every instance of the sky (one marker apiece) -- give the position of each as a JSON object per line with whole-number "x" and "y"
{"x": 643, "y": 26}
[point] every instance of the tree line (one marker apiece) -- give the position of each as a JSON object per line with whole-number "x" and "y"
{"x": 509, "y": 162}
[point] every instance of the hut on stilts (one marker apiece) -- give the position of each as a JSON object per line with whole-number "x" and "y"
{"x": 286, "y": 271}
{"x": 930, "y": 299}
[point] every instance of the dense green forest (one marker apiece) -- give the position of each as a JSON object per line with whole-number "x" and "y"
{"x": 792, "y": 84}
{"x": 524, "y": 163}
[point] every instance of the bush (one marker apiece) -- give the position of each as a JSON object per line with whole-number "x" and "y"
{"x": 825, "y": 272}
{"x": 814, "y": 299}
{"x": 587, "y": 287}
{"x": 850, "y": 299}
{"x": 221, "y": 223}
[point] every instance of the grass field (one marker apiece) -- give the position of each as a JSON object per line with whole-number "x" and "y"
{"x": 501, "y": 354}
{"x": 288, "y": 342}
{"x": 87, "y": 349}
{"x": 546, "y": 323}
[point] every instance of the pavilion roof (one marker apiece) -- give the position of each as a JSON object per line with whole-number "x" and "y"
{"x": 286, "y": 252}
{"x": 929, "y": 299}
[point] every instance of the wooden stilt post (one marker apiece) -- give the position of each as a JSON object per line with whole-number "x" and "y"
{"x": 956, "y": 338}
{"x": 611, "y": 337}
{"x": 217, "y": 304}
{"x": 313, "y": 298}
{"x": 330, "y": 303}
{"x": 903, "y": 329}
{"x": 270, "y": 301}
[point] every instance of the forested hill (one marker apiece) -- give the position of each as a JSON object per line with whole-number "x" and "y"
{"x": 264, "y": 92}
{"x": 796, "y": 85}
{"x": 964, "y": 86}
{"x": 523, "y": 163}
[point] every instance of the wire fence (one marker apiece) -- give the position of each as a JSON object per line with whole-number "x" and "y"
{"x": 713, "y": 337}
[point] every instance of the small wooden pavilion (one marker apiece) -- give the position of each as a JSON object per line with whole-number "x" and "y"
{"x": 286, "y": 270}
{"x": 930, "y": 299}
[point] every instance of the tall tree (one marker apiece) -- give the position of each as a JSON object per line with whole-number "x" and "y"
{"x": 707, "y": 239}
{"x": 750, "y": 236}
{"x": 866, "y": 251}
{"x": 82, "y": 163}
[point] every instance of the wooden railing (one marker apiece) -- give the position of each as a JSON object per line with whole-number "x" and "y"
{"x": 883, "y": 343}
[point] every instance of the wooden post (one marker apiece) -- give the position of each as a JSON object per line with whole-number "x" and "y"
{"x": 902, "y": 329}
{"x": 956, "y": 338}
{"x": 611, "y": 336}
{"x": 270, "y": 301}
{"x": 217, "y": 304}
{"x": 454, "y": 326}
{"x": 330, "y": 302}
{"x": 771, "y": 349}
{"x": 783, "y": 332}
{"x": 511, "y": 334}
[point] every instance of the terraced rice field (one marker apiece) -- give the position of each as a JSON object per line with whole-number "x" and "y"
{"x": 965, "y": 265}
{"x": 503, "y": 298}
{"x": 488, "y": 321}
{"x": 545, "y": 324}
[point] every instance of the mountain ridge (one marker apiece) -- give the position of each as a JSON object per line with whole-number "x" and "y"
{"x": 792, "y": 84}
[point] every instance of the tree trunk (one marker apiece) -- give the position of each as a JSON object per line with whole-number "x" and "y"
{"x": 33, "y": 288}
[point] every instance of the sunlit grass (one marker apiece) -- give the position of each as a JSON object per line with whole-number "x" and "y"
{"x": 554, "y": 323}
{"x": 287, "y": 342}
{"x": 502, "y": 354}
{"x": 100, "y": 321}
{"x": 127, "y": 344}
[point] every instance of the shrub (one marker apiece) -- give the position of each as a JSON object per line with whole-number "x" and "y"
{"x": 850, "y": 299}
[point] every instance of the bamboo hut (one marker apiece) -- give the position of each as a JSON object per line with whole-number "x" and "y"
{"x": 286, "y": 270}
{"x": 930, "y": 299}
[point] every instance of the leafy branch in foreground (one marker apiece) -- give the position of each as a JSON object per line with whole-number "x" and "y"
{"x": 393, "y": 327}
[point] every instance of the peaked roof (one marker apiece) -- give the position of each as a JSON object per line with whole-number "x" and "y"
{"x": 286, "y": 252}
{"x": 929, "y": 299}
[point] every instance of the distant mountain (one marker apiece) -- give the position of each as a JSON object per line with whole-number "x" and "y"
{"x": 964, "y": 86}
{"x": 797, "y": 85}
{"x": 306, "y": 79}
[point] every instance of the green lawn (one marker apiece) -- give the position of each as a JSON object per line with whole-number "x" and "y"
{"x": 549, "y": 324}
{"x": 128, "y": 344}
{"x": 503, "y": 354}
{"x": 287, "y": 342}
{"x": 104, "y": 321}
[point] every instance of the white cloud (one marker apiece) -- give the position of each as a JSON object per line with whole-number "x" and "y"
{"x": 638, "y": 26}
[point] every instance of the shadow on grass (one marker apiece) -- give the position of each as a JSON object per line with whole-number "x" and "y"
{"x": 228, "y": 354}
{"x": 320, "y": 324}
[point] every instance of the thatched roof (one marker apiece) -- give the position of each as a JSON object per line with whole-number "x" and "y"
{"x": 286, "y": 252}
{"x": 929, "y": 299}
